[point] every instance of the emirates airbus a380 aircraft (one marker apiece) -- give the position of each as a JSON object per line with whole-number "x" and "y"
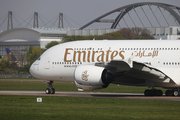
{"x": 94, "y": 64}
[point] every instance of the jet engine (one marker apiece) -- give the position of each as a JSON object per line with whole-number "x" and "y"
{"x": 89, "y": 77}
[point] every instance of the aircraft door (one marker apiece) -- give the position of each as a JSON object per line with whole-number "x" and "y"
{"x": 47, "y": 63}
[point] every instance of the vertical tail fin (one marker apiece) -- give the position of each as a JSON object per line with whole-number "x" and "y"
{"x": 10, "y": 53}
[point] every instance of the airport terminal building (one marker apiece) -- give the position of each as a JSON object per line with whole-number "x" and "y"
{"x": 19, "y": 39}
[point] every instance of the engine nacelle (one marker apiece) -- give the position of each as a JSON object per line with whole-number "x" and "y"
{"x": 89, "y": 77}
{"x": 89, "y": 87}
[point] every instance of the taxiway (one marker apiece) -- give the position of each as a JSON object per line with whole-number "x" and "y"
{"x": 139, "y": 96}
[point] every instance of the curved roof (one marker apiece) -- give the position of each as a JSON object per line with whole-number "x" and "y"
{"x": 127, "y": 8}
{"x": 41, "y": 31}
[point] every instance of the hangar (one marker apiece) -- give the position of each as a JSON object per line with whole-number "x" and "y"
{"x": 19, "y": 39}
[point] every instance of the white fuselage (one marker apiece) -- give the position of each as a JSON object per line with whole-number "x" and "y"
{"x": 59, "y": 62}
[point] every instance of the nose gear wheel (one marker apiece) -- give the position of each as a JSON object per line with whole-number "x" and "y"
{"x": 50, "y": 90}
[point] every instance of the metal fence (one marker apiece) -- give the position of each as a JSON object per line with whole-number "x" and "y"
{"x": 16, "y": 76}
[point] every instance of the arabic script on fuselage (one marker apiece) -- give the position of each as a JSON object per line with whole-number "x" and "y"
{"x": 72, "y": 55}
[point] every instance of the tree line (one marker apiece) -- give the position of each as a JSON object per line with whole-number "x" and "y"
{"x": 33, "y": 53}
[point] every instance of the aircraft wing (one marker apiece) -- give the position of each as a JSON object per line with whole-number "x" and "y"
{"x": 136, "y": 72}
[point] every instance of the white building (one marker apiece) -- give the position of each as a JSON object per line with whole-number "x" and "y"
{"x": 19, "y": 39}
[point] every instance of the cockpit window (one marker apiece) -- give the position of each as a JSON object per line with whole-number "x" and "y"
{"x": 39, "y": 58}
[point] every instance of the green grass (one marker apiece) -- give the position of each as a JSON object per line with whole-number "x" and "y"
{"x": 64, "y": 86}
{"x": 26, "y": 108}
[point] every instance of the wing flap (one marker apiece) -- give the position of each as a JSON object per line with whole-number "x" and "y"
{"x": 155, "y": 73}
{"x": 145, "y": 68}
{"x": 138, "y": 70}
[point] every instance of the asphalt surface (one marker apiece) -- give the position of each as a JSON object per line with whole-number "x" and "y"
{"x": 139, "y": 96}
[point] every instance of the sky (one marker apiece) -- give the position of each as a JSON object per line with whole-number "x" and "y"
{"x": 78, "y": 12}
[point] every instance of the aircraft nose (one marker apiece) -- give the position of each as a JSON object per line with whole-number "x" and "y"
{"x": 32, "y": 70}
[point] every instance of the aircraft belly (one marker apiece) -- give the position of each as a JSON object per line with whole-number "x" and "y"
{"x": 128, "y": 80}
{"x": 67, "y": 75}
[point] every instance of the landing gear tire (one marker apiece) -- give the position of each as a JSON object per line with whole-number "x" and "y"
{"x": 48, "y": 91}
{"x": 153, "y": 92}
{"x": 160, "y": 93}
{"x": 53, "y": 91}
{"x": 147, "y": 92}
{"x": 169, "y": 93}
{"x": 176, "y": 93}
{"x": 172, "y": 93}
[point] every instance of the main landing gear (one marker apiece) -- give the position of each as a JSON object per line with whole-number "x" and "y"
{"x": 153, "y": 92}
{"x": 172, "y": 93}
{"x": 50, "y": 90}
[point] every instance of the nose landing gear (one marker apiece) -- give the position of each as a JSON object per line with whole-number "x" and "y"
{"x": 50, "y": 90}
